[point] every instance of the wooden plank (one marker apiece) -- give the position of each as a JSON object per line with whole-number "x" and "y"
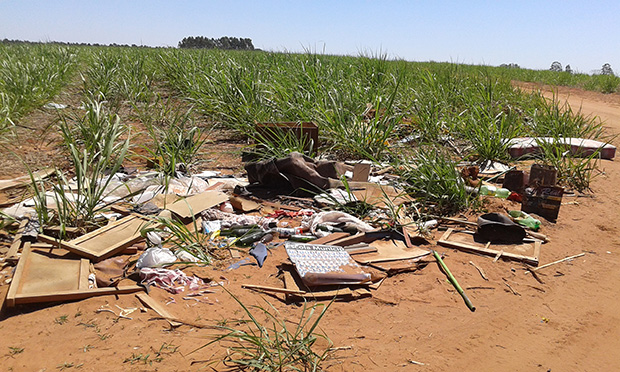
{"x": 75, "y": 294}
{"x": 17, "y": 277}
{"x": 95, "y": 233}
{"x": 350, "y": 240}
{"x": 273, "y": 289}
{"x": 12, "y": 257}
{"x": 84, "y": 252}
{"x": 157, "y": 307}
{"x": 105, "y": 241}
{"x": 25, "y": 180}
{"x": 330, "y": 238}
{"x": 17, "y": 240}
{"x": 481, "y": 249}
{"x": 391, "y": 250}
{"x": 84, "y": 272}
{"x": 329, "y": 292}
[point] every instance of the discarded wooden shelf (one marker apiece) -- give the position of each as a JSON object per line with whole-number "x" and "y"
{"x": 43, "y": 276}
{"x": 103, "y": 242}
{"x": 465, "y": 242}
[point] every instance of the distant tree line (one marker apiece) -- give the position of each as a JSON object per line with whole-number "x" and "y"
{"x": 605, "y": 70}
{"x": 228, "y": 43}
{"x": 65, "y": 43}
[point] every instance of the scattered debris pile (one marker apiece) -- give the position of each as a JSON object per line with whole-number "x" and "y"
{"x": 295, "y": 215}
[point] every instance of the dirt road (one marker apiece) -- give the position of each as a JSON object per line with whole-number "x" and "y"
{"x": 569, "y": 322}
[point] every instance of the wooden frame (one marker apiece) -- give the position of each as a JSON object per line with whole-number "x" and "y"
{"x": 53, "y": 275}
{"x": 486, "y": 250}
{"x": 104, "y": 242}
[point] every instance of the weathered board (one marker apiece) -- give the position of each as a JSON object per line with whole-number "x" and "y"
{"x": 103, "y": 242}
{"x": 525, "y": 252}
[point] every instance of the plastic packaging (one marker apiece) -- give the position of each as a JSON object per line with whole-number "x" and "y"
{"x": 487, "y": 190}
{"x": 502, "y": 193}
{"x": 227, "y": 207}
{"x": 302, "y": 238}
{"x": 285, "y": 232}
{"x": 525, "y": 219}
{"x": 153, "y": 257}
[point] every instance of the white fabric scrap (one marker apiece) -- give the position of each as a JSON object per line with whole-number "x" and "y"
{"x": 173, "y": 281}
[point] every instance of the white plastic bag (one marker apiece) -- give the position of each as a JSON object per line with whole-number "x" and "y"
{"x": 154, "y": 257}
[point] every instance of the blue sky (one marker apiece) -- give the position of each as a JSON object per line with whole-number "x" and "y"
{"x": 532, "y": 34}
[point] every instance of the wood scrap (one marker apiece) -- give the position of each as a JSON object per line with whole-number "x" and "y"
{"x": 105, "y": 241}
{"x": 324, "y": 293}
{"x": 17, "y": 240}
{"x": 559, "y": 261}
{"x": 467, "y": 244}
{"x": 511, "y": 289}
{"x": 391, "y": 250}
{"x": 273, "y": 289}
{"x": 350, "y": 240}
{"x": 25, "y": 180}
{"x": 482, "y": 274}
{"x": 329, "y": 239}
{"x": 148, "y": 301}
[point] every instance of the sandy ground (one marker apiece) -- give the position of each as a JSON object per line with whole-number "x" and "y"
{"x": 570, "y": 322}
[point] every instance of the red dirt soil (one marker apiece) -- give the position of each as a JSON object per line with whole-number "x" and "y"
{"x": 571, "y": 322}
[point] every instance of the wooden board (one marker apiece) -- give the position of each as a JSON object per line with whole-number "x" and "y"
{"x": 330, "y": 238}
{"x": 25, "y": 180}
{"x": 525, "y": 252}
{"x": 17, "y": 241}
{"x": 57, "y": 275}
{"x": 103, "y": 242}
{"x": 191, "y": 206}
{"x": 390, "y": 250}
{"x": 322, "y": 293}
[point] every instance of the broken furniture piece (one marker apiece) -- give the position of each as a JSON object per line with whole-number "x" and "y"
{"x": 105, "y": 241}
{"x": 44, "y": 275}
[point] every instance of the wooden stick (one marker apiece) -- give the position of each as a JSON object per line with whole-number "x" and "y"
{"x": 482, "y": 274}
{"x": 272, "y": 289}
{"x": 499, "y": 254}
{"x": 558, "y": 261}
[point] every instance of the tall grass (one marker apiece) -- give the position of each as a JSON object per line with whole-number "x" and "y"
{"x": 364, "y": 106}
{"x": 30, "y": 75}
{"x": 275, "y": 343}
{"x": 96, "y": 143}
